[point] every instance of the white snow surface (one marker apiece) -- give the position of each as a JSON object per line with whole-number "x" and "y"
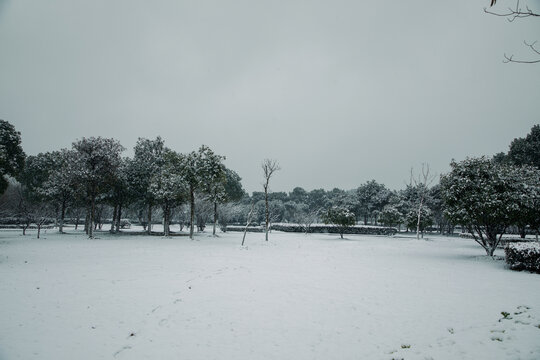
{"x": 295, "y": 297}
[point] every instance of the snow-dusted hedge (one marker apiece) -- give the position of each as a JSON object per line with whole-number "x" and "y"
{"x": 319, "y": 228}
{"x": 241, "y": 228}
{"x": 327, "y": 228}
{"x": 523, "y": 256}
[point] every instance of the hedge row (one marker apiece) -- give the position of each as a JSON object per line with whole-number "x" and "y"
{"x": 242, "y": 228}
{"x": 320, "y": 228}
{"x": 523, "y": 256}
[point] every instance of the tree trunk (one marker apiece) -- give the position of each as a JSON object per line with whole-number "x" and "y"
{"x": 149, "y": 225}
{"x": 113, "y": 222}
{"x": 119, "y": 218}
{"x": 267, "y": 212}
{"x": 248, "y": 222}
{"x": 522, "y": 232}
{"x": 91, "y": 220}
{"x": 141, "y": 220}
{"x": 86, "y": 221}
{"x": 215, "y": 218}
{"x": 419, "y": 218}
{"x": 191, "y": 211}
{"x": 62, "y": 216}
{"x": 38, "y": 229}
{"x": 166, "y": 220}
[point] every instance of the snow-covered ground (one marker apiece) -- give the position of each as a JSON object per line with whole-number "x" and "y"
{"x": 295, "y": 297}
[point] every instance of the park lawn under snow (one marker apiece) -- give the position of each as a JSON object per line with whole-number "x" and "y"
{"x": 294, "y": 297}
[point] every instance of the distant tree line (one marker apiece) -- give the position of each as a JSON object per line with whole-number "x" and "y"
{"x": 372, "y": 203}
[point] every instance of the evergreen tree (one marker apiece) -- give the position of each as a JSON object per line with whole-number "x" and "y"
{"x": 487, "y": 197}
{"x": 97, "y": 162}
{"x": 11, "y": 153}
{"x": 341, "y": 217}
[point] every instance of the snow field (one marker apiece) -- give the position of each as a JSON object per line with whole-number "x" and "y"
{"x": 294, "y": 297}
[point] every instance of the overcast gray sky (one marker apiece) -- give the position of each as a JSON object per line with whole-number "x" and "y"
{"x": 339, "y": 92}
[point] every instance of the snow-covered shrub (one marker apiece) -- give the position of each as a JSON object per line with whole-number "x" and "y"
{"x": 523, "y": 256}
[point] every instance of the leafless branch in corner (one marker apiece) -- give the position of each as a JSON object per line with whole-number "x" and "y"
{"x": 512, "y": 15}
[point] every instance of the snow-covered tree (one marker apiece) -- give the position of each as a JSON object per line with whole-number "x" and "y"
{"x": 97, "y": 161}
{"x": 305, "y": 217}
{"x": 62, "y": 185}
{"x": 371, "y": 197}
{"x": 421, "y": 184}
{"x": 204, "y": 209}
{"x": 317, "y": 199}
{"x": 299, "y": 195}
{"x": 11, "y": 153}
{"x": 426, "y": 220}
{"x": 485, "y": 197}
{"x": 213, "y": 179}
{"x": 33, "y": 205}
{"x": 188, "y": 167}
{"x": 231, "y": 213}
{"x": 168, "y": 187}
{"x": 147, "y": 161}
{"x": 122, "y": 192}
{"x": 391, "y": 215}
{"x": 341, "y": 217}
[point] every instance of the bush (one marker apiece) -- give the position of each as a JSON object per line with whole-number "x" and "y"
{"x": 523, "y": 256}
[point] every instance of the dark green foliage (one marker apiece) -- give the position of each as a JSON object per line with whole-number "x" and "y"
{"x": 341, "y": 217}
{"x": 526, "y": 151}
{"x": 233, "y": 186}
{"x": 391, "y": 216}
{"x": 371, "y": 197}
{"x": 11, "y": 153}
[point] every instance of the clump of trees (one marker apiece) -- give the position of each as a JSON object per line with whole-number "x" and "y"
{"x": 93, "y": 180}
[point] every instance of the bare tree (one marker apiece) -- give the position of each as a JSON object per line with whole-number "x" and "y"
{"x": 422, "y": 183}
{"x": 512, "y": 14}
{"x": 307, "y": 218}
{"x": 269, "y": 167}
{"x": 248, "y": 221}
